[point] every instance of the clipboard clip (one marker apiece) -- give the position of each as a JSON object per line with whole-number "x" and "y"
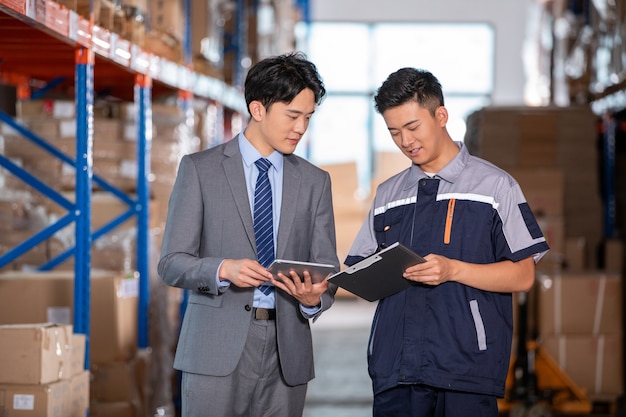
{"x": 363, "y": 265}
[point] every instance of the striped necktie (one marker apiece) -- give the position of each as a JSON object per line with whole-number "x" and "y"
{"x": 263, "y": 215}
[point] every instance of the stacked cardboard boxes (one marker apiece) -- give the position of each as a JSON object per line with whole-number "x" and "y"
{"x": 158, "y": 26}
{"x": 350, "y": 211}
{"x": 24, "y": 211}
{"x": 553, "y": 153}
{"x": 56, "y": 121}
{"x": 580, "y": 323}
{"x": 547, "y": 138}
{"x": 50, "y": 298}
{"x": 112, "y": 343}
{"x": 351, "y": 201}
{"x": 41, "y": 373}
{"x": 544, "y": 192}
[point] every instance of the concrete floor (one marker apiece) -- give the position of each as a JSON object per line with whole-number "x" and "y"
{"x": 342, "y": 387}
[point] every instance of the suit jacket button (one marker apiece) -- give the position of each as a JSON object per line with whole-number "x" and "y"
{"x": 247, "y": 307}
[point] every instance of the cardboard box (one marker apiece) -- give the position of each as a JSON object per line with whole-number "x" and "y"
{"x": 543, "y": 189}
{"x": 116, "y": 409}
{"x": 548, "y": 138}
{"x": 579, "y": 303}
{"x": 349, "y": 207}
{"x": 79, "y": 394}
{"x": 35, "y": 256}
{"x": 167, "y": 16}
{"x": 15, "y": 211}
{"x": 50, "y": 295}
{"x": 575, "y": 258}
{"x": 59, "y": 109}
{"x": 206, "y": 37}
{"x": 49, "y": 400}
{"x": 114, "y": 319}
{"x": 104, "y": 208}
{"x": 115, "y": 382}
{"x": 614, "y": 255}
{"x": 387, "y": 164}
{"x": 592, "y": 362}
{"x": 553, "y": 229}
{"x": 78, "y": 353}
{"x": 344, "y": 181}
{"x": 537, "y": 146}
{"x": 35, "y": 353}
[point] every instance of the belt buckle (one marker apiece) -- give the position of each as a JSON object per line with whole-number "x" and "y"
{"x": 264, "y": 314}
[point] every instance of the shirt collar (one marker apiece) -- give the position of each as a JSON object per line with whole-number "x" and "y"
{"x": 453, "y": 169}
{"x": 249, "y": 154}
{"x": 448, "y": 173}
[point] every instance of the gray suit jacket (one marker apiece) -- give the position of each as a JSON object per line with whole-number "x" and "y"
{"x": 209, "y": 220}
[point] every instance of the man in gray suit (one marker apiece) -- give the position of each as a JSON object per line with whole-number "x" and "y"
{"x": 243, "y": 352}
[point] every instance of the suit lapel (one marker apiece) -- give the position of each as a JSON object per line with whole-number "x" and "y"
{"x": 233, "y": 169}
{"x": 291, "y": 185}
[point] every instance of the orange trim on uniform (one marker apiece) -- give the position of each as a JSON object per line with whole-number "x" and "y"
{"x": 449, "y": 216}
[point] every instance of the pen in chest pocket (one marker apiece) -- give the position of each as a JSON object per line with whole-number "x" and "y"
{"x": 449, "y": 216}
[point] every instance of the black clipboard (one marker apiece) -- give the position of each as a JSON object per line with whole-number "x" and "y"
{"x": 318, "y": 272}
{"x": 379, "y": 275}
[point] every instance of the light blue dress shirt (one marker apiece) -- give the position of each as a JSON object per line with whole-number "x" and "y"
{"x": 249, "y": 154}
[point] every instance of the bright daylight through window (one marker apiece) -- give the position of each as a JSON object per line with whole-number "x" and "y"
{"x": 354, "y": 59}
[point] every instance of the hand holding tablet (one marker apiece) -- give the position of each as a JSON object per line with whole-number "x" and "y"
{"x": 319, "y": 272}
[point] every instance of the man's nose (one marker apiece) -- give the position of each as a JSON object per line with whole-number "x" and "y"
{"x": 300, "y": 126}
{"x": 405, "y": 139}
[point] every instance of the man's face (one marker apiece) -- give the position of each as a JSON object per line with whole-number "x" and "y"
{"x": 283, "y": 124}
{"x": 418, "y": 134}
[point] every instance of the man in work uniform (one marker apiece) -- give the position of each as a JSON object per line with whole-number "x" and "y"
{"x": 442, "y": 347}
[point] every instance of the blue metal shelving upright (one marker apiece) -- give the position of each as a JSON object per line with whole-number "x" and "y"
{"x": 79, "y": 212}
{"x": 608, "y": 183}
{"x": 143, "y": 106}
{"x": 84, "y": 173}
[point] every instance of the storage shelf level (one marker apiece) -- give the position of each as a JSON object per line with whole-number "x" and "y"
{"x": 39, "y": 38}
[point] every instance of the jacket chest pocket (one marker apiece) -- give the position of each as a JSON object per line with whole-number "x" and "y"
{"x": 388, "y": 226}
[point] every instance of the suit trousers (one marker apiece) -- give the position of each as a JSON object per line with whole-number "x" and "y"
{"x": 254, "y": 389}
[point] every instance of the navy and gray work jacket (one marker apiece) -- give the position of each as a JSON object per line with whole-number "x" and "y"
{"x": 449, "y": 336}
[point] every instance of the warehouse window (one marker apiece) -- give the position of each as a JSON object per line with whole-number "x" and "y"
{"x": 355, "y": 58}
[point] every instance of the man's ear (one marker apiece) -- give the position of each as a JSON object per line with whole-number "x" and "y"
{"x": 441, "y": 114}
{"x": 257, "y": 110}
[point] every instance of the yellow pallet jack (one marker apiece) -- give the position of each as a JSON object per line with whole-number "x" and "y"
{"x": 536, "y": 386}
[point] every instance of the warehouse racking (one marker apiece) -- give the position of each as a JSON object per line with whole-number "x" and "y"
{"x": 42, "y": 40}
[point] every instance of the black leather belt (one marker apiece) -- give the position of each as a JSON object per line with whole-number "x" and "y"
{"x": 264, "y": 313}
